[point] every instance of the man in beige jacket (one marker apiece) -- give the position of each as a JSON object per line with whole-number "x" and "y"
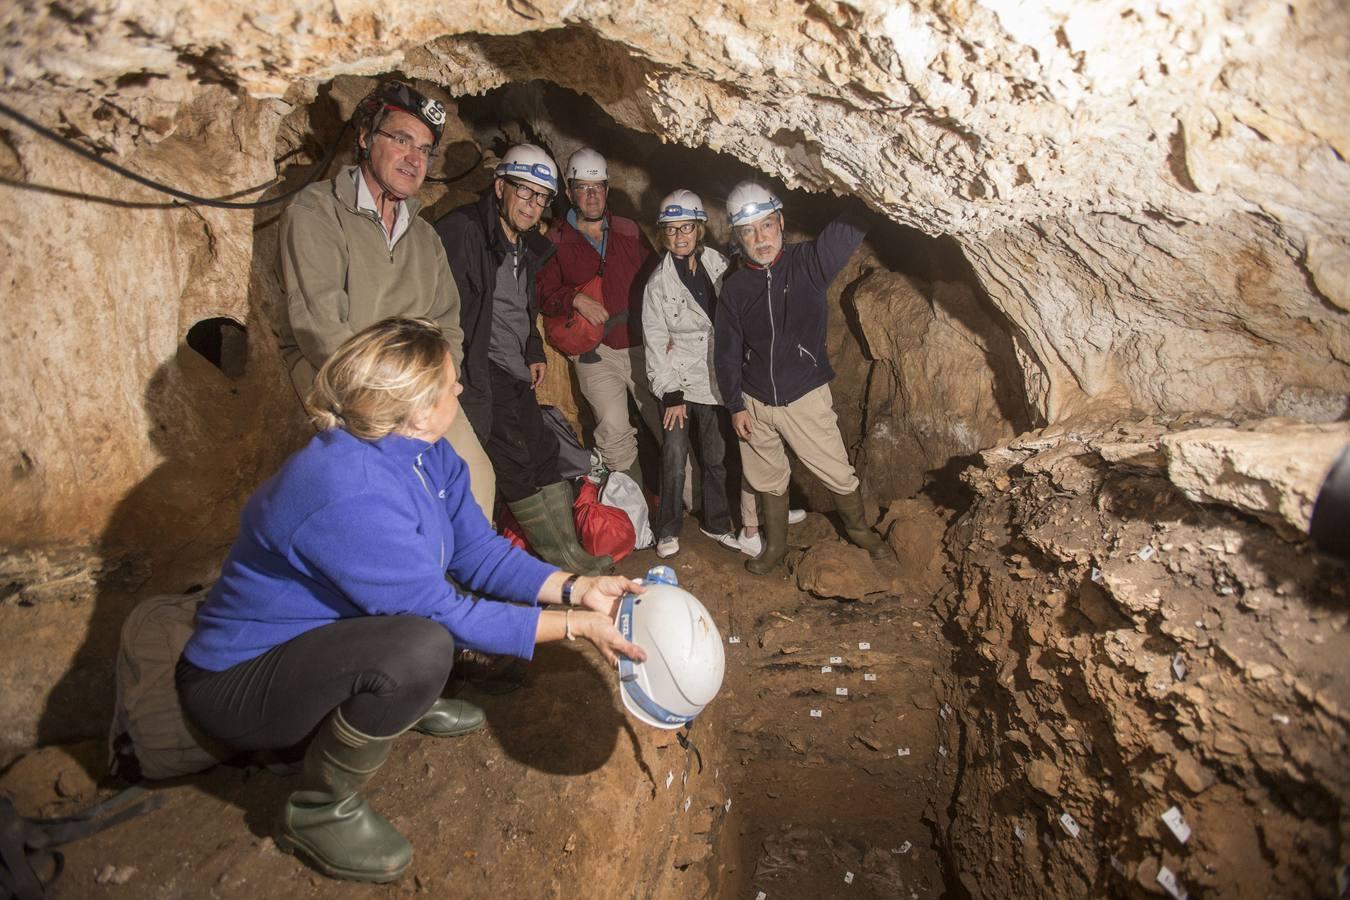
{"x": 354, "y": 251}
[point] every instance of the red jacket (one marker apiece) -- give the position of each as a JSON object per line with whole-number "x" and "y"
{"x": 628, "y": 260}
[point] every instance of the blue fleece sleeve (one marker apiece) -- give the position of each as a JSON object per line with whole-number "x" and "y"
{"x": 482, "y": 559}
{"x": 831, "y": 249}
{"x": 729, "y": 351}
{"x": 369, "y": 548}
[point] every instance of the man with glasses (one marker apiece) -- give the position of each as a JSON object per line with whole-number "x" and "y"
{"x": 354, "y": 251}
{"x": 773, "y": 370}
{"x": 495, "y": 252}
{"x": 593, "y": 242}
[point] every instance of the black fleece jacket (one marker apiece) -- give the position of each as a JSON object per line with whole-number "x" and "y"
{"x": 475, "y": 247}
{"x": 770, "y": 327}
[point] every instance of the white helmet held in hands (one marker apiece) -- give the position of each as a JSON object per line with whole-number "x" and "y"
{"x": 749, "y": 202}
{"x": 526, "y": 162}
{"x": 587, "y": 165}
{"x": 685, "y": 659}
{"x": 681, "y": 206}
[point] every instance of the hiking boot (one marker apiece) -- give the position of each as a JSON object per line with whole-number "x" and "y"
{"x": 850, "y": 507}
{"x": 546, "y": 518}
{"x": 773, "y": 513}
{"x": 329, "y": 822}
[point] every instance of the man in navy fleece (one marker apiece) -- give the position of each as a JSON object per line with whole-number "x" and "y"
{"x": 773, "y": 370}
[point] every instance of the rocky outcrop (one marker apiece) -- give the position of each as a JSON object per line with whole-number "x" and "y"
{"x": 1131, "y": 659}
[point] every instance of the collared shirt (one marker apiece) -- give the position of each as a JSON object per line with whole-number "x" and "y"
{"x": 365, "y": 200}
{"x": 604, "y": 232}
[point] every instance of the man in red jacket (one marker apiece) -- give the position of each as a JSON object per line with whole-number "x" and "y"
{"x": 589, "y": 242}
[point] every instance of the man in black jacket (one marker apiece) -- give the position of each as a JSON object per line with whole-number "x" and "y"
{"x": 494, "y": 251}
{"x": 773, "y": 370}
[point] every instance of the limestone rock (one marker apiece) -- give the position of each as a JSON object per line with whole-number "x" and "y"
{"x": 1273, "y": 471}
{"x": 839, "y": 571}
{"x": 1044, "y": 776}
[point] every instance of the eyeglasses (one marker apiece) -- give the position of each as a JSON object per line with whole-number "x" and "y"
{"x": 768, "y": 227}
{"x": 406, "y": 143}
{"x": 528, "y": 194}
{"x": 682, "y": 228}
{"x": 579, "y": 188}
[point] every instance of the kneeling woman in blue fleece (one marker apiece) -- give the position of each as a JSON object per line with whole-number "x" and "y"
{"x": 333, "y": 611}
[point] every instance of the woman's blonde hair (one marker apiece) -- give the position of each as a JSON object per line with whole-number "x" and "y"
{"x": 380, "y": 378}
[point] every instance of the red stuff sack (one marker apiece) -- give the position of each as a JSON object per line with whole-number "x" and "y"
{"x": 602, "y": 530}
{"x": 510, "y": 528}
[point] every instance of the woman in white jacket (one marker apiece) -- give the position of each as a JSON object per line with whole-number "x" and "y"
{"x": 677, "y": 324}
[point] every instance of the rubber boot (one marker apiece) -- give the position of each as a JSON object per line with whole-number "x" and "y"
{"x": 773, "y": 512}
{"x": 546, "y": 519}
{"x": 450, "y": 718}
{"x": 329, "y": 821}
{"x": 850, "y": 508}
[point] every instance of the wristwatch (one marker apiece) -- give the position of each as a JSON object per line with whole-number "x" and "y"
{"x": 567, "y": 590}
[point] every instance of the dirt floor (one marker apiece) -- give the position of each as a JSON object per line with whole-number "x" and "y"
{"x": 564, "y": 795}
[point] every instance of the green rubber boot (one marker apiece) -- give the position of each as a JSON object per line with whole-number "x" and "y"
{"x": 773, "y": 516}
{"x": 546, "y": 518}
{"x": 329, "y": 821}
{"x": 850, "y": 507}
{"x": 450, "y": 718}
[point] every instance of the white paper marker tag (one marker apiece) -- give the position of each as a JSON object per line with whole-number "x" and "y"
{"x": 670, "y": 779}
{"x": 684, "y": 779}
{"x": 826, "y": 669}
{"x": 727, "y": 806}
{"x": 864, "y": 645}
{"x": 905, "y": 847}
{"x": 1097, "y": 575}
{"x": 1070, "y": 827}
{"x": 848, "y": 878}
{"x": 942, "y": 751}
{"x": 1019, "y": 833}
{"x": 836, "y": 660}
{"x": 841, "y": 692}
{"x": 902, "y": 751}
{"x": 1147, "y": 553}
{"x": 1177, "y": 824}
{"x": 687, "y": 801}
{"x": 815, "y": 714}
{"x": 869, "y": 676}
{"x": 733, "y": 640}
{"x": 1170, "y": 884}
{"x": 1179, "y": 667}
{"x": 761, "y": 896}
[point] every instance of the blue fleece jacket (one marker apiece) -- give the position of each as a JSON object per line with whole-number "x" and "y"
{"x": 349, "y": 528}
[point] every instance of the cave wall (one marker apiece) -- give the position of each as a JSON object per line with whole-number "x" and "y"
{"x": 1137, "y": 628}
{"x": 1153, "y": 197}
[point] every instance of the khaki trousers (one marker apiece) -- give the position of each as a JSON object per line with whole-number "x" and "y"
{"x": 482, "y": 480}
{"x": 809, "y": 426}
{"x": 606, "y": 385}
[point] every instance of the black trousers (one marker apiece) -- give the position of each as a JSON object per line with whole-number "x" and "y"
{"x": 521, "y": 446}
{"x": 383, "y": 671}
{"x": 706, "y": 420}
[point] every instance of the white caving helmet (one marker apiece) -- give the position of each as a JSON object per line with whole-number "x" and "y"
{"x": 681, "y": 206}
{"x": 526, "y": 162}
{"x": 587, "y": 165}
{"x": 685, "y": 659}
{"x": 749, "y": 202}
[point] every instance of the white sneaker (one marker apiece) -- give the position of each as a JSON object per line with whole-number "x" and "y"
{"x": 726, "y": 539}
{"x": 667, "y": 547}
{"x": 796, "y": 516}
{"x": 750, "y": 546}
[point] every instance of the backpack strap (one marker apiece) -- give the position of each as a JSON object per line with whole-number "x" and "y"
{"x": 27, "y": 846}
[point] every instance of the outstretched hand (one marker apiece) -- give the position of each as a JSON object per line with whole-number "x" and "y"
{"x": 601, "y": 632}
{"x": 603, "y": 594}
